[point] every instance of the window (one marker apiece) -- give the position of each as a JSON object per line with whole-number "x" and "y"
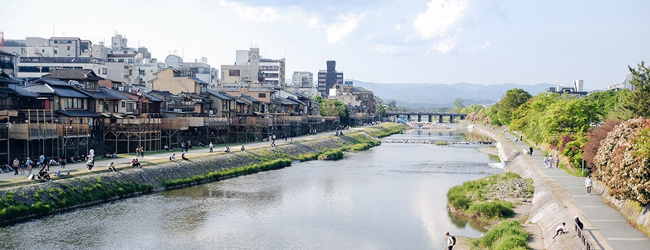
{"x": 233, "y": 72}
{"x": 68, "y": 47}
{"x": 261, "y": 95}
{"x": 104, "y": 71}
{"x": 120, "y": 60}
{"x": 224, "y": 105}
{"x": 56, "y": 51}
{"x": 123, "y": 104}
{"x": 130, "y": 60}
{"x": 74, "y": 103}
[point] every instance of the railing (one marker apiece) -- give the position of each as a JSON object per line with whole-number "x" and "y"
{"x": 35, "y": 131}
{"x": 6, "y": 107}
{"x": 178, "y": 124}
{"x": 582, "y": 238}
{"x": 184, "y": 108}
{"x": 71, "y": 130}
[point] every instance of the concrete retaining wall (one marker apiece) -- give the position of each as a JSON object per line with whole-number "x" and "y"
{"x": 547, "y": 211}
{"x": 156, "y": 175}
{"x": 631, "y": 211}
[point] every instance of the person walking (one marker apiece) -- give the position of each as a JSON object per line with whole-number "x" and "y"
{"x": 530, "y": 150}
{"x": 90, "y": 164}
{"x": 211, "y": 147}
{"x": 142, "y": 152}
{"x": 29, "y": 163}
{"x": 16, "y": 165}
{"x": 588, "y": 184}
{"x": 451, "y": 241}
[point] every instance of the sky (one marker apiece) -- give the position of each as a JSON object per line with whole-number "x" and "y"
{"x": 383, "y": 41}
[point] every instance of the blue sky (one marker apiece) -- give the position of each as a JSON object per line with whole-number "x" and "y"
{"x": 384, "y": 41}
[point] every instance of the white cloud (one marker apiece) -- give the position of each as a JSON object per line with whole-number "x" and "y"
{"x": 254, "y": 14}
{"x": 387, "y": 49}
{"x": 398, "y": 27}
{"x": 440, "y": 18}
{"x": 337, "y": 31}
{"x": 446, "y": 45}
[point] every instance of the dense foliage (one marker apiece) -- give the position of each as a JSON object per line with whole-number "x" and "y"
{"x": 507, "y": 235}
{"x": 472, "y": 199}
{"x": 637, "y": 103}
{"x": 623, "y": 161}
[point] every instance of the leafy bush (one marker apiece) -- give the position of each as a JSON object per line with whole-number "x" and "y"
{"x": 623, "y": 161}
{"x": 505, "y": 235}
{"x": 469, "y": 197}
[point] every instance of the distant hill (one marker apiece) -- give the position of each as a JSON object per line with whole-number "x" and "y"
{"x": 415, "y": 95}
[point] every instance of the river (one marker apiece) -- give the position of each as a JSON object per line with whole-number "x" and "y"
{"x": 390, "y": 197}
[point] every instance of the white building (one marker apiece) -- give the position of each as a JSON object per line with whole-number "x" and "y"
{"x": 623, "y": 85}
{"x": 250, "y": 68}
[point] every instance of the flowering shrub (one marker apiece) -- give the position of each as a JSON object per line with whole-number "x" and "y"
{"x": 623, "y": 161}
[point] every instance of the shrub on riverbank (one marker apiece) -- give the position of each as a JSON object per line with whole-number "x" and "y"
{"x": 480, "y": 198}
{"x": 386, "y": 130}
{"x": 63, "y": 195}
{"x": 506, "y": 235}
{"x": 228, "y": 172}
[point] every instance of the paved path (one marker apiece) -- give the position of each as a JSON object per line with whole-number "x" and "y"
{"x": 101, "y": 164}
{"x": 606, "y": 220}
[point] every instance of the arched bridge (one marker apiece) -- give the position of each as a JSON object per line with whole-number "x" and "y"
{"x": 440, "y": 115}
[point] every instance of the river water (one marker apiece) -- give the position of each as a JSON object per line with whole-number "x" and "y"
{"x": 390, "y": 197}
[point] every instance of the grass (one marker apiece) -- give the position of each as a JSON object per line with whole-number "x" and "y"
{"x": 442, "y": 143}
{"x": 60, "y": 196}
{"x": 228, "y": 172}
{"x": 506, "y": 235}
{"x": 470, "y": 198}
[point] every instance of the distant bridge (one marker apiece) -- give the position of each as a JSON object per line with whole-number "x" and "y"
{"x": 440, "y": 115}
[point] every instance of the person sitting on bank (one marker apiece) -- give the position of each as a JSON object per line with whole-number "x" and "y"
{"x": 243, "y": 148}
{"x": 227, "y": 149}
{"x": 44, "y": 176}
{"x": 183, "y": 156}
{"x": 560, "y": 229}
{"x": 111, "y": 166}
{"x": 59, "y": 174}
{"x": 166, "y": 148}
{"x": 172, "y": 157}
{"x": 135, "y": 163}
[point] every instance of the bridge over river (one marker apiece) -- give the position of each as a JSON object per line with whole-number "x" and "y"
{"x": 440, "y": 115}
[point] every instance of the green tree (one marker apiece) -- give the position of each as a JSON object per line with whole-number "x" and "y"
{"x": 458, "y": 103}
{"x": 508, "y": 104}
{"x": 637, "y": 103}
{"x": 381, "y": 111}
{"x": 334, "y": 108}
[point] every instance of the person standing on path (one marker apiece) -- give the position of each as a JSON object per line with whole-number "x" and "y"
{"x": 588, "y": 184}
{"x": 29, "y": 164}
{"x": 530, "y": 151}
{"x": 16, "y": 165}
{"x": 211, "y": 147}
{"x": 451, "y": 241}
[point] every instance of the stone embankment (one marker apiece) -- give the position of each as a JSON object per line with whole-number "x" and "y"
{"x": 31, "y": 201}
{"x": 547, "y": 211}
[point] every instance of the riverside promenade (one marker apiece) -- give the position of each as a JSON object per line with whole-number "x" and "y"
{"x": 605, "y": 227}
{"x": 123, "y": 162}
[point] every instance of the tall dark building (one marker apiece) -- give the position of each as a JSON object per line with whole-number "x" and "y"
{"x": 328, "y": 78}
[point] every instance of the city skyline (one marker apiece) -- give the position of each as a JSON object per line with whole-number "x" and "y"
{"x": 480, "y": 42}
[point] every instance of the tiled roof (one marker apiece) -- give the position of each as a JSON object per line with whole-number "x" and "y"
{"x": 115, "y": 94}
{"x": 22, "y": 92}
{"x": 68, "y": 92}
{"x": 77, "y": 113}
{"x": 220, "y": 95}
{"x": 52, "y": 82}
{"x": 199, "y": 81}
{"x": 74, "y": 74}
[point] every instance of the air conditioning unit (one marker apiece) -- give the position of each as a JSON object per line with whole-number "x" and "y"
{"x": 120, "y": 88}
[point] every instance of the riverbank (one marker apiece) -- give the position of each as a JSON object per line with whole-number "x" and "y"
{"x": 547, "y": 210}
{"x": 31, "y": 201}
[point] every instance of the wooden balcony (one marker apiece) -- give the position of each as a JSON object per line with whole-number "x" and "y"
{"x": 174, "y": 124}
{"x": 135, "y": 124}
{"x": 24, "y": 131}
{"x": 74, "y": 130}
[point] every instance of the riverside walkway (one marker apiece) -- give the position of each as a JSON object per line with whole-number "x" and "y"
{"x": 604, "y": 225}
{"x": 101, "y": 163}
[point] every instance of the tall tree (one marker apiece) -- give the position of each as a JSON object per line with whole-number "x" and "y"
{"x": 458, "y": 103}
{"x": 509, "y": 103}
{"x": 637, "y": 103}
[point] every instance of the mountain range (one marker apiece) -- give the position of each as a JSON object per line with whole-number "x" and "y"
{"x": 416, "y": 95}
